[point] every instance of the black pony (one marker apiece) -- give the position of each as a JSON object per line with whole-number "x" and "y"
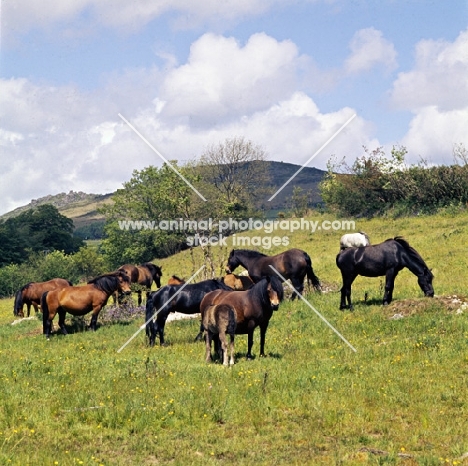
{"x": 179, "y": 298}
{"x": 293, "y": 264}
{"x": 386, "y": 258}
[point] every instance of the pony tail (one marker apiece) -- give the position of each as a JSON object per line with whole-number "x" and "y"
{"x": 311, "y": 277}
{"x": 231, "y": 328}
{"x": 45, "y": 311}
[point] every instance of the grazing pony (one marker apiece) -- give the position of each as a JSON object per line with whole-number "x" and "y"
{"x": 253, "y": 307}
{"x": 238, "y": 282}
{"x": 31, "y": 294}
{"x": 175, "y": 280}
{"x": 386, "y": 258}
{"x": 144, "y": 275}
{"x": 175, "y": 298}
{"x": 293, "y": 264}
{"x": 219, "y": 321}
{"x": 354, "y": 240}
{"x": 80, "y": 300}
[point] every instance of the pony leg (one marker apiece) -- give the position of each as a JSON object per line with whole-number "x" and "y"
{"x": 222, "y": 338}
{"x": 262, "y": 341}
{"x": 160, "y": 324}
{"x": 139, "y": 298}
{"x": 298, "y": 285}
{"x": 389, "y": 285}
{"x": 208, "y": 338}
{"x": 249, "y": 344}
{"x": 346, "y": 293}
{"x": 231, "y": 346}
{"x": 61, "y": 321}
{"x": 200, "y": 333}
{"x": 47, "y": 316}
{"x": 94, "y": 318}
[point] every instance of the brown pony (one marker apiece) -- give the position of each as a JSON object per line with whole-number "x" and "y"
{"x": 293, "y": 264}
{"x": 238, "y": 282}
{"x": 175, "y": 280}
{"x": 144, "y": 275}
{"x": 31, "y": 294}
{"x": 253, "y": 308}
{"x": 80, "y": 300}
{"x": 219, "y": 321}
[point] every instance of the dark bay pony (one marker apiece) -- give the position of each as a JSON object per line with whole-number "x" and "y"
{"x": 175, "y": 280}
{"x": 80, "y": 300}
{"x": 293, "y": 264}
{"x": 238, "y": 282}
{"x": 180, "y": 298}
{"x": 253, "y": 308}
{"x": 219, "y": 321}
{"x": 144, "y": 275}
{"x": 31, "y": 294}
{"x": 384, "y": 259}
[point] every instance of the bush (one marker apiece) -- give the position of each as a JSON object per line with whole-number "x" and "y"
{"x": 375, "y": 185}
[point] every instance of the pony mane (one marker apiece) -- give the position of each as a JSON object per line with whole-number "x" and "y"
{"x": 175, "y": 277}
{"x": 411, "y": 251}
{"x": 259, "y": 290}
{"x": 248, "y": 252}
{"x": 153, "y": 268}
{"x": 108, "y": 283}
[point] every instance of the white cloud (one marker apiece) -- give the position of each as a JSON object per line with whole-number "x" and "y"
{"x": 71, "y": 16}
{"x": 439, "y": 77}
{"x": 85, "y": 146}
{"x": 223, "y": 79}
{"x": 436, "y": 92}
{"x": 433, "y": 133}
{"x": 368, "y": 49}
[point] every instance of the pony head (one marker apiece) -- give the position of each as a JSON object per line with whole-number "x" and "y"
{"x": 232, "y": 263}
{"x": 156, "y": 272}
{"x": 275, "y": 292}
{"x": 123, "y": 282}
{"x": 425, "y": 282}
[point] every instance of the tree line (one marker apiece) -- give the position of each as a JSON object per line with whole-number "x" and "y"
{"x": 376, "y": 184}
{"x": 232, "y": 177}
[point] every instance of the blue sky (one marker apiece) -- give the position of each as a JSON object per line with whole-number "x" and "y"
{"x": 284, "y": 74}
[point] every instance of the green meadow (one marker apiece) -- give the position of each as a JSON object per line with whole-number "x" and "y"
{"x": 401, "y": 398}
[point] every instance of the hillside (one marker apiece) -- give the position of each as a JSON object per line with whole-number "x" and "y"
{"x": 82, "y": 207}
{"x": 398, "y": 400}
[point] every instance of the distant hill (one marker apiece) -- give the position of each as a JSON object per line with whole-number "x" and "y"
{"x": 307, "y": 179}
{"x": 82, "y": 207}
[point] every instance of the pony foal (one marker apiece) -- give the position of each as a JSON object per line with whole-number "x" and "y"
{"x": 220, "y": 321}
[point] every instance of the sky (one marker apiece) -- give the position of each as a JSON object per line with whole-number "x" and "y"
{"x": 285, "y": 74}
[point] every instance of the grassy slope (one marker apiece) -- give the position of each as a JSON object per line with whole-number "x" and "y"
{"x": 75, "y": 400}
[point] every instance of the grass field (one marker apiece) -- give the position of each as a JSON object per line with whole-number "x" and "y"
{"x": 400, "y": 399}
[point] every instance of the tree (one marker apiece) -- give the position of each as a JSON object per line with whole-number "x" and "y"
{"x": 36, "y": 230}
{"x": 235, "y": 176}
{"x": 152, "y": 195}
{"x": 300, "y": 201}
